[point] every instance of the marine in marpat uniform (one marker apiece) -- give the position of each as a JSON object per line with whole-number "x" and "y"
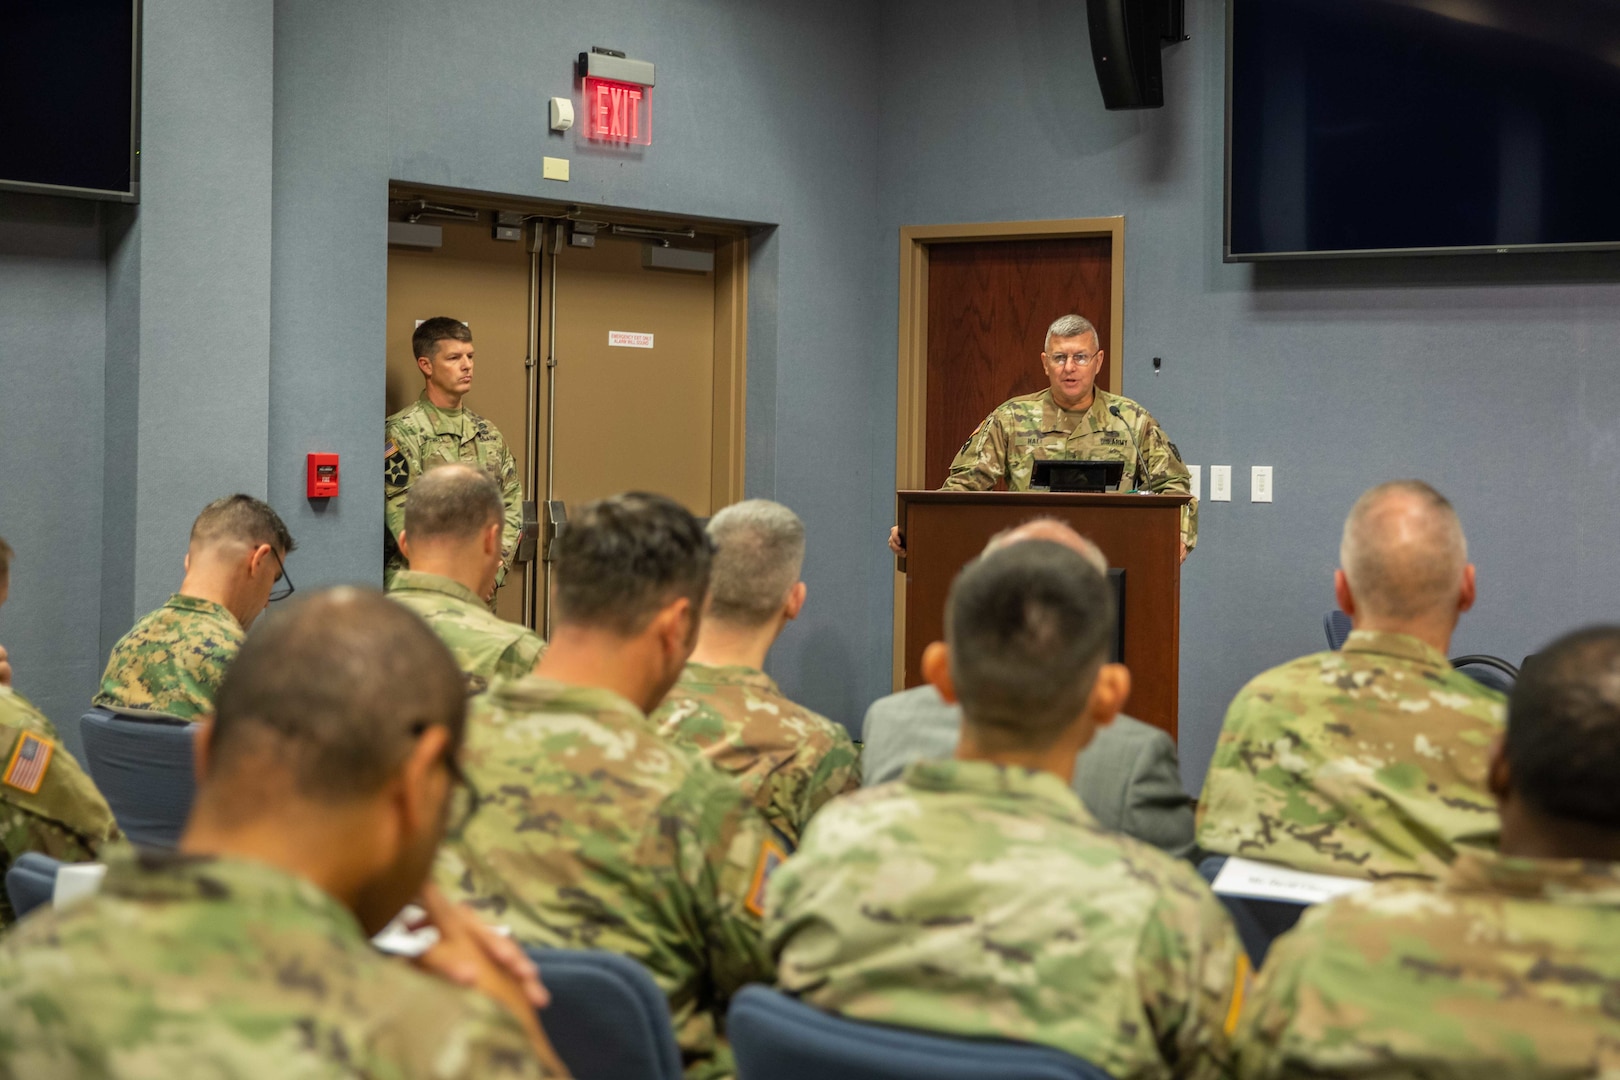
{"x": 978, "y": 897}
{"x": 173, "y": 660}
{"x": 596, "y": 833}
{"x": 437, "y": 428}
{"x": 1072, "y": 419}
{"x": 787, "y": 758}
{"x": 452, "y": 537}
{"x": 245, "y": 953}
{"x": 1368, "y": 762}
{"x": 1508, "y": 966}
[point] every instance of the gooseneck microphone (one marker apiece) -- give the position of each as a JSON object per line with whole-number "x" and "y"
{"x": 1134, "y": 444}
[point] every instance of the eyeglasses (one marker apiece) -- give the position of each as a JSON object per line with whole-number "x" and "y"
{"x": 1062, "y": 360}
{"x": 283, "y": 587}
{"x": 464, "y": 799}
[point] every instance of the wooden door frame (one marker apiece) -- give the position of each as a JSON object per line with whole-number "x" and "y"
{"x": 911, "y": 424}
{"x": 729, "y": 420}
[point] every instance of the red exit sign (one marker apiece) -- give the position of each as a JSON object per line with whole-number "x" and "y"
{"x": 618, "y": 112}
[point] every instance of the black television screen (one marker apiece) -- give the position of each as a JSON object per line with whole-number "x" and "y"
{"x": 69, "y": 101}
{"x": 1358, "y": 127}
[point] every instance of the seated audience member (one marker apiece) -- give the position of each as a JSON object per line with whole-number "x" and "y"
{"x": 1507, "y": 966}
{"x": 597, "y": 832}
{"x": 978, "y": 897}
{"x": 788, "y": 759}
{"x": 321, "y": 800}
{"x": 1128, "y": 775}
{"x": 452, "y": 537}
{"x": 1368, "y": 762}
{"x": 47, "y": 803}
{"x": 174, "y": 659}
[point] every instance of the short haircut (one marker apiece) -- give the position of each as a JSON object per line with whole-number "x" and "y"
{"x": 437, "y": 329}
{"x": 1563, "y": 731}
{"x": 5, "y": 559}
{"x": 245, "y": 519}
{"x": 759, "y": 551}
{"x": 623, "y": 558}
{"x": 1070, "y": 326}
{"x": 1046, "y": 527}
{"x": 1403, "y": 550}
{"x": 1028, "y": 625}
{"x": 334, "y": 688}
{"x": 452, "y": 501}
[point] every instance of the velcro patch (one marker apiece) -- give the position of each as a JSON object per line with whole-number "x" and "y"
{"x": 770, "y": 857}
{"x": 30, "y": 759}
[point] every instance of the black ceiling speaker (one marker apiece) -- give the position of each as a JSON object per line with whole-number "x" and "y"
{"x": 1126, "y": 36}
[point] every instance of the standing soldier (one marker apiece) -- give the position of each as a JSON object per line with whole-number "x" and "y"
{"x": 436, "y": 428}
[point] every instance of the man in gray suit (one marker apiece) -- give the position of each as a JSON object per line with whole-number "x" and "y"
{"x": 1129, "y": 777}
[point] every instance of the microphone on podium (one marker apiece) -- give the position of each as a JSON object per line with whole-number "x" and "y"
{"x": 1134, "y": 444}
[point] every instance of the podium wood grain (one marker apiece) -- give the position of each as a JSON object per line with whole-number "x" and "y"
{"x": 1140, "y": 534}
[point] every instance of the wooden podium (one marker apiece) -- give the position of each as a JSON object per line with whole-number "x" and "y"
{"x": 1140, "y": 534}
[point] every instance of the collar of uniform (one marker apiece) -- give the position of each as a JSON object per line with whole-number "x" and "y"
{"x": 1094, "y": 417}
{"x": 535, "y": 694}
{"x": 446, "y": 421}
{"x": 182, "y": 602}
{"x": 1009, "y": 782}
{"x": 1404, "y": 646}
{"x": 1574, "y": 882}
{"x": 417, "y": 581}
{"x": 170, "y": 876}
{"x": 729, "y": 675}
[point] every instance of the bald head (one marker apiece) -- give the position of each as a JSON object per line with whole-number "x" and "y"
{"x": 331, "y": 694}
{"x": 1055, "y": 531}
{"x": 1403, "y": 554}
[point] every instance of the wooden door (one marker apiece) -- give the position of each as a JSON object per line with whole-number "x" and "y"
{"x": 989, "y": 304}
{"x": 485, "y": 283}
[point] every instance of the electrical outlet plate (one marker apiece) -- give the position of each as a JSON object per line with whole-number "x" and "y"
{"x": 1196, "y": 480}
{"x": 1260, "y": 483}
{"x": 1220, "y": 483}
{"x": 554, "y": 168}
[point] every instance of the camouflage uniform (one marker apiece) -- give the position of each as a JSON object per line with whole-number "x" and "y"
{"x": 1507, "y": 969}
{"x": 985, "y": 901}
{"x": 1369, "y": 762}
{"x": 787, "y": 759}
{"x": 484, "y": 644}
{"x": 1030, "y": 428}
{"x": 189, "y": 967}
{"x": 423, "y": 435}
{"x": 596, "y": 833}
{"x": 65, "y": 817}
{"x": 173, "y": 660}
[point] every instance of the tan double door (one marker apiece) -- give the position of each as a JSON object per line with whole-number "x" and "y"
{"x": 625, "y": 417}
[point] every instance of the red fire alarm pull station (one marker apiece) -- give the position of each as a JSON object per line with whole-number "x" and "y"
{"x": 323, "y": 476}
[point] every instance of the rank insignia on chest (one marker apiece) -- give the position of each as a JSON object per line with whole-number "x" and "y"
{"x": 30, "y": 759}
{"x": 771, "y": 856}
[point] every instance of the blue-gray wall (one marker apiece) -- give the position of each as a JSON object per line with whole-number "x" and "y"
{"x": 1497, "y": 380}
{"x": 234, "y": 323}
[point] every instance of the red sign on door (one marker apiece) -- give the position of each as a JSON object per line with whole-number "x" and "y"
{"x": 618, "y": 112}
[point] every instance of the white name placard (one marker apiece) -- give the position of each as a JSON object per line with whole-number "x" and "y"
{"x": 1267, "y": 881}
{"x": 629, "y": 339}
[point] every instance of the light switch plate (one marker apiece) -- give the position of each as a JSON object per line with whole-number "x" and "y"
{"x": 1196, "y": 480}
{"x": 1220, "y": 483}
{"x": 1260, "y": 483}
{"x": 555, "y": 168}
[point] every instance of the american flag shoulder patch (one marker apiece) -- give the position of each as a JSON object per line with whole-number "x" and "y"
{"x": 771, "y": 856}
{"x": 29, "y": 760}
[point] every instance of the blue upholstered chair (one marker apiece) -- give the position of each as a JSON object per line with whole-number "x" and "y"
{"x": 30, "y": 881}
{"x": 1258, "y": 922}
{"x": 1336, "y": 624}
{"x": 776, "y": 1037}
{"x": 607, "y": 1020}
{"x": 1491, "y": 671}
{"x": 142, "y": 762}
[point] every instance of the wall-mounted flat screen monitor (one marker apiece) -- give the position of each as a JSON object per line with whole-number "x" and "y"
{"x": 1375, "y": 127}
{"x": 70, "y": 98}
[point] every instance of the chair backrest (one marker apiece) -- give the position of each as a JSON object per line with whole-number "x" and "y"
{"x": 1491, "y": 671}
{"x": 607, "y": 1020}
{"x": 1336, "y": 624}
{"x": 776, "y": 1037}
{"x": 142, "y": 762}
{"x": 1258, "y": 922}
{"x": 30, "y": 880}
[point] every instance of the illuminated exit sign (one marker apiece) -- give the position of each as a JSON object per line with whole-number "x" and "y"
{"x": 618, "y": 112}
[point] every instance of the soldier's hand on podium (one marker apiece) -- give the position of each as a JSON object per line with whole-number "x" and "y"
{"x": 5, "y": 667}
{"x": 896, "y": 543}
{"x": 1184, "y": 551}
